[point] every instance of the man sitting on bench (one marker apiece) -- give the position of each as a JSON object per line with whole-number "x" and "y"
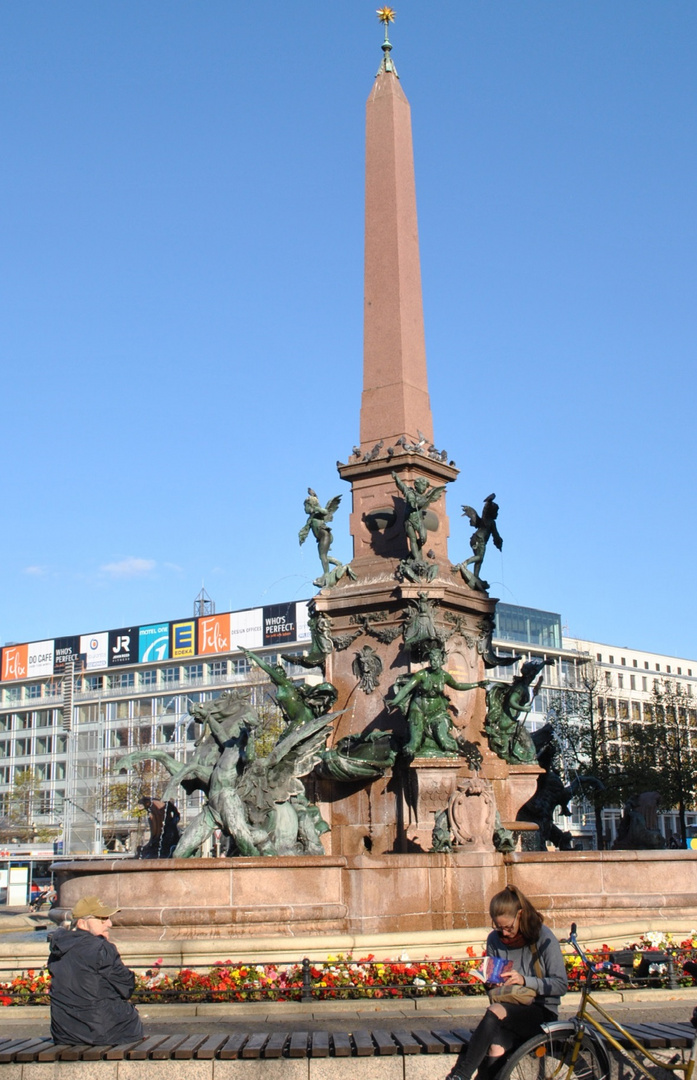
{"x": 90, "y": 986}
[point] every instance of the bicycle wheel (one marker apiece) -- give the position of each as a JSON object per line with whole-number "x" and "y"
{"x": 548, "y": 1057}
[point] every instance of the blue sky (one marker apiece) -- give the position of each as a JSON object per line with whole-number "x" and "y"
{"x": 181, "y": 200}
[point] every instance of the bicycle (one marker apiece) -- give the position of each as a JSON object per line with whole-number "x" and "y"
{"x": 580, "y": 1048}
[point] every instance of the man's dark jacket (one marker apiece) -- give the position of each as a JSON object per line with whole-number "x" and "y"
{"x": 90, "y": 987}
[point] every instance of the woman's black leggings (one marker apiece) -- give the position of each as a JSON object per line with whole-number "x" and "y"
{"x": 521, "y": 1023}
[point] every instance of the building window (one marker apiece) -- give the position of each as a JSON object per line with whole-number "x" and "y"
{"x": 632, "y": 682}
{"x": 44, "y": 744}
{"x": 611, "y": 659}
{"x": 636, "y": 710}
{"x": 658, "y": 667}
{"x": 679, "y": 671}
{"x": 149, "y": 677}
{"x": 170, "y": 675}
{"x": 34, "y": 690}
{"x": 241, "y": 666}
{"x": 623, "y": 661}
{"x": 193, "y": 673}
{"x": 668, "y": 668}
{"x": 5, "y": 748}
{"x": 218, "y": 669}
{"x": 142, "y": 707}
{"x": 123, "y": 681}
{"x": 94, "y": 683}
{"x": 23, "y": 747}
{"x": 599, "y": 657}
{"x": 620, "y": 682}
{"x": 88, "y": 714}
{"x": 644, "y": 684}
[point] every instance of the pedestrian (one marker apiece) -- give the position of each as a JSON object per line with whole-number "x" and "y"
{"x": 90, "y": 985}
{"x": 531, "y": 989}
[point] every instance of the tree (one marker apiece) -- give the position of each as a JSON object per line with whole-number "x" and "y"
{"x": 21, "y": 807}
{"x": 666, "y": 748}
{"x": 577, "y": 718}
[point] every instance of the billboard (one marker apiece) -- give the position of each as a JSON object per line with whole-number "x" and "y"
{"x": 214, "y": 634}
{"x": 39, "y": 659}
{"x": 275, "y": 624}
{"x": 67, "y": 649}
{"x": 153, "y": 643}
{"x": 247, "y": 628}
{"x": 14, "y": 662}
{"x": 123, "y": 646}
{"x": 96, "y": 650}
{"x": 301, "y": 621}
{"x": 279, "y": 624}
{"x": 183, "y": 638}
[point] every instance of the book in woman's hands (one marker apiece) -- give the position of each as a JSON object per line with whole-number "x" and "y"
{"x": 492, "y": 970}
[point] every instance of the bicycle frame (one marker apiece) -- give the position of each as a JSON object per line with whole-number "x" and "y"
{"x": 584, "y": 1023}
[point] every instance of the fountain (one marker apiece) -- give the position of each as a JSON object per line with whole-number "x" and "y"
{"x": 390, "y": 804}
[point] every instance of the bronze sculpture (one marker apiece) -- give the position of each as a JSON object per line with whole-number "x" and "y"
{"x": 507, "y": 706}
{"x": 422, "y": 699}
{"x": 485, "y": 529}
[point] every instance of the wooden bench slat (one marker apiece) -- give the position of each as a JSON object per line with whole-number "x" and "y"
{"x": 363, "y": 1042}
{"x": 254, "y": 1044}
{"x": 647, "y": 1038}
{"x": 142, "y": 1050}
{"x": 118, "y": 1052}
{"x": 676, "y": 1035}
{"x": 342, "y": 1044}
{"x": 209, "y": 1047}
{"x": 384, "y": 1042}
{"x": 230, "y": 1050}
{"x": 276, "y": 1043}
{"x": 95, "y": 1053}
{"x": 7, "y": 1053}
{"x": 164, "y": 1051}
{"x": 319, "y": 1044}
{"x": 406, "y": 1042}
{"x": 672, "y": 1037}
{"x": 185, "y": 1050}
{"x": 450, "y": 1040}
{"x": 298, "y": 1044}
{"x": 31, "y": 1049}
{"x": 74, "y": 1052}
{"x": 51, "y": 1051}
{"x": 430, "y": 1043}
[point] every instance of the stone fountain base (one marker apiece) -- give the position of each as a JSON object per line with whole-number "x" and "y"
{"x": 365, "y": 894}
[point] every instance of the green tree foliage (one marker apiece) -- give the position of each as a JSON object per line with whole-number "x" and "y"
{"x": 664, "y": 749}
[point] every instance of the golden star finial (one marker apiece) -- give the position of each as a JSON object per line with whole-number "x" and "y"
{"x": 386, "y": 15}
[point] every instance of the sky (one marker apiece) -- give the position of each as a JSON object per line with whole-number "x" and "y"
{"x": 181, "y": 213}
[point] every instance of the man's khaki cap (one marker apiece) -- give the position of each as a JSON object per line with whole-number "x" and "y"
{"x": 92, "y": 907}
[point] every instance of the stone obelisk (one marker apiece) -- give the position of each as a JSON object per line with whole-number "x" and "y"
{"x": 396, "y": 441}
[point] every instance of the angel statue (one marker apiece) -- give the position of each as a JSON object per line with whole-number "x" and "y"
{"x": 485, "y": 529}
{"x": 318, "y": 518}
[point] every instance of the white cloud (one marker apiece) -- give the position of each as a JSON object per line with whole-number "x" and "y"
{"x": 129, "y": 567}
{"x": 35, "y": 571}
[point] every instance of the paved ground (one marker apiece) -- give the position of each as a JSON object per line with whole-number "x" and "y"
{"x": 344, "y": 1016}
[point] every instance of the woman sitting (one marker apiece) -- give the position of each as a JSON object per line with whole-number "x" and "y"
{"x": 519, "y": 936}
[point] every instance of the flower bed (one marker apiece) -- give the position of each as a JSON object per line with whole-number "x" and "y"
{"x": 347, "y": 978}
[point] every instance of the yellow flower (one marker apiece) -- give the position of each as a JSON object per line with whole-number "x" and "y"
{"x": 385, "y": 15}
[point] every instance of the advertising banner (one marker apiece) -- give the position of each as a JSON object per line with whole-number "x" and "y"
{"x": 123, "y": 646}
{"x": 184, "y": 638}
{"x": 301, "y": 619}
{"x": 153, "y": 643}
{"x": 246, "y": 629}
{"x": 214, "y": 634}
{"x": 96, "y": 650}
{"x": 14, "y": 662}
{"x": 279, "y": 624}
{"x": 67, "y": 650}
{"x": 39, "y": 659}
